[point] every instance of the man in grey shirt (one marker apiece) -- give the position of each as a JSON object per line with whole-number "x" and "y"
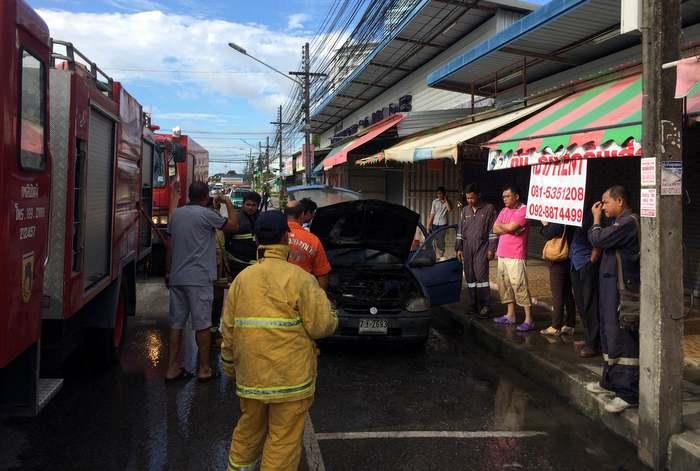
{"x": 192, "y": 271}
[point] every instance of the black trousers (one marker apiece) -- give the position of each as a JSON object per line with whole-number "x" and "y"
{"x": 217, "y": 306}
{"x": 585, "y": 285}
{"x": 620, "y": 347}
{"x": 564, "y": 313}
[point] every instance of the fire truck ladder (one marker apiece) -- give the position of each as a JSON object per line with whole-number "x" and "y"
{"x": 68, "y": 58}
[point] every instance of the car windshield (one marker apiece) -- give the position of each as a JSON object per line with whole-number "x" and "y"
{"x": 354, "y": 257}
{"x": 325, "y": 196}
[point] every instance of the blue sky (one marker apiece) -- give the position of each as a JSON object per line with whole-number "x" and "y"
{"x": 172, "y": 56}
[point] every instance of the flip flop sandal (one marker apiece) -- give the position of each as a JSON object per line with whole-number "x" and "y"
{"x": 182, "y": 375}
{"x": 525, "y": 327}
{"x": 503, "y": 320}
{"x": 553, "y": 331}
{"x": 214, "y": 374}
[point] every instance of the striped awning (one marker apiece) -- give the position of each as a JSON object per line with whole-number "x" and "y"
{"x": 601, "y": 122}
{"x": 443, "y": 142}
{"x": 693, "y": 103}
{"x": 372, "y": 159}
{"x": 339, "y": 154}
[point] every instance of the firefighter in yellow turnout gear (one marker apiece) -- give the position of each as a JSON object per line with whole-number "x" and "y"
{"x": 274, "y": 311}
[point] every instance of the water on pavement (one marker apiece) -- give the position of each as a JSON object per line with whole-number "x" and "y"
{"x": 129, "y": 419}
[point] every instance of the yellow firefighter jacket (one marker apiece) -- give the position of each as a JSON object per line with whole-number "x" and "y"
{"x": 273, "y": 313}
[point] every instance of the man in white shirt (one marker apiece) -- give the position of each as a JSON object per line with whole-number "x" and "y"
{"x": 439, "y": 213}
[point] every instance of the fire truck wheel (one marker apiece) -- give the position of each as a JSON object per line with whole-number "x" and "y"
{"x": 104, "y": 344}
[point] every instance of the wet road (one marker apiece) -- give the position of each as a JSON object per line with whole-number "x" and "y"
{"x": 447, "y": 407}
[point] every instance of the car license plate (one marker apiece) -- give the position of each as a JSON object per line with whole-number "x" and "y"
{"x": 373, "y": 326}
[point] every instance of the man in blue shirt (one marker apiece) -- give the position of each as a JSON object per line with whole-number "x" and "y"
{"x": 584, "y": 281}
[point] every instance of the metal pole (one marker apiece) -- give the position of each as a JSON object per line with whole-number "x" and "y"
{"x": 472, "y": 93}
{"x": 524, "y": 81}
{"x": 661, "y": 323}
{"x": 307, "y": 118}
{"x": 279, "y": 120}
{"x": 267, "y": 153}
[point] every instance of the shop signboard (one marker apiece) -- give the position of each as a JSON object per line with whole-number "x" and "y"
{"x": 647, "y": 205}
{"x": 557, "y": 192}
{"x": 672, "y": 178}
{"x": 500, "y": 161}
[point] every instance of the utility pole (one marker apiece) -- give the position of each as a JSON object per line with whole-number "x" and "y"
{"x": 267, "y": 153}
{"x": 279, "y": 123}
{"x": 661, "y": 320}
{"x": 307, "y": 74}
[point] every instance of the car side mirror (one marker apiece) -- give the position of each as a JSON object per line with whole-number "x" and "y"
{"x": 179, "y": 154}
{"x": 422, "y": 262}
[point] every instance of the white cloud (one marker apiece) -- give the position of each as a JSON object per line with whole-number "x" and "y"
{"x": 136, "y": 5}
{"x": 154, "y": 40}
{"x": 297, "y": 20}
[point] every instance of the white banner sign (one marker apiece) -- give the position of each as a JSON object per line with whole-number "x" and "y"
{"x": 557, "y": 192}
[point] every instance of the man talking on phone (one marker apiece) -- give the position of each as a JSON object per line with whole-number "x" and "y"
{"x": 192, "y": 272}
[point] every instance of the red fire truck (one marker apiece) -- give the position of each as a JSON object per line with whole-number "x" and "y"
{"x": 187, "y": 162}
{"x": 71, "y": 185}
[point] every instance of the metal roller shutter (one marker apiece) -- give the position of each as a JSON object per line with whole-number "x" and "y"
{"x": 691, "y": 208}
{"x": 98, "y": 198}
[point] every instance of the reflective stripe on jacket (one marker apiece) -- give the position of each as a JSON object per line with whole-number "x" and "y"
{"x": 273, "y": 313}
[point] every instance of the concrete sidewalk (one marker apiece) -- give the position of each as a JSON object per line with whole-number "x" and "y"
{"x": 553, "y": 362}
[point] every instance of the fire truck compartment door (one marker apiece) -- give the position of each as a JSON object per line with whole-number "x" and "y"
{"x": 147, "y": 165}
{"x": 98, "y": 199}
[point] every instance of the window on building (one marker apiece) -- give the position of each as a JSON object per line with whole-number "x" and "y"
{"x": 32, "y": 113}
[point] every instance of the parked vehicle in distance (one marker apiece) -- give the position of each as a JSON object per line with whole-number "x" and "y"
{"x": 380, "y": 288}
{"x": 237, "y": 195}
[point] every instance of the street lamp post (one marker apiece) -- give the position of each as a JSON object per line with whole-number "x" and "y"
{"x": 305, "y": 86}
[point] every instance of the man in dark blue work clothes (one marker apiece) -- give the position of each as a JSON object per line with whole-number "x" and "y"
{"x": 618, "y": 241}
{"x": 476, "y": 246}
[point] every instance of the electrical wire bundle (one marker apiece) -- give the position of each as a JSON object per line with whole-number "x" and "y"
{"x": 348, "y": 33}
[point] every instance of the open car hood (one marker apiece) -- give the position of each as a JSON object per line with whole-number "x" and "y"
{"x": 371, "y": 224}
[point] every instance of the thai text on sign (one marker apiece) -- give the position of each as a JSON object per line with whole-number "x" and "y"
{"x": 557, "y": 192}
{"x": 521, "y": 158}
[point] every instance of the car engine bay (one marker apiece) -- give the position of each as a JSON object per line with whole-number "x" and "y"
{"x": 361, "y": 290}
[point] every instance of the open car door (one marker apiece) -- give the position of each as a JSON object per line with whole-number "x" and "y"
{"x": 437, "y": 268}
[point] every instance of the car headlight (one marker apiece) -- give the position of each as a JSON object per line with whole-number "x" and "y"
{"x": 154, "y": 220}
{"x": 164, "y": 220}
{"x": 418, "y": 305}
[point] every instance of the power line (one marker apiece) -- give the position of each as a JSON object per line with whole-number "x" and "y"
{"x": 188, "y": 132}
{"x": 183, "y": 71}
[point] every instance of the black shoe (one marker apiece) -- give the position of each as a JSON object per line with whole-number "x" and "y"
{"x": 484, "y": 313}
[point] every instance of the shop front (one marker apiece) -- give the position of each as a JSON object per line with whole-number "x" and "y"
{"x": 596, "y": 133}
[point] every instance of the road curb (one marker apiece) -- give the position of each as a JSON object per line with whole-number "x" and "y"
{"x": 567, "y": 377}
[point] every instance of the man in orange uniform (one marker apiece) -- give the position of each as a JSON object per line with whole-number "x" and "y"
{"x": 305, "y": 249}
